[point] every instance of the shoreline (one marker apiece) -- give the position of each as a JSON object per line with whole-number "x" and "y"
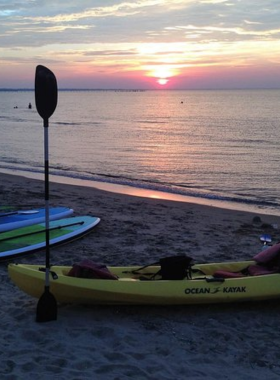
{"x": 143, "y": 343}
{"x": 144, "y": 193}
{"x": 32, "y": 190}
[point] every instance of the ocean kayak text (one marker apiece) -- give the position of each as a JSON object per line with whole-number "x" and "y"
{"x": 227, "y": 289}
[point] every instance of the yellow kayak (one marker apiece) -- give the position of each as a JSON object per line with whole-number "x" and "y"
{"x": 130, "y": 288}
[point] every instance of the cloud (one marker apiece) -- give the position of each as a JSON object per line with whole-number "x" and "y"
{"x": 133, "y": 35}
{"x": 34, "y": 23}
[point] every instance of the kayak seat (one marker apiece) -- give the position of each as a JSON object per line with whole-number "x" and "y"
{"x": 227, "y": 274}
{"x": 268, "y": 255}
{"x": 258, "y": 270}
{"x": 170, "y": 268}
{"x": 252, "y": 270}
{"x": 267, "y": 262}
{"x": 89, "y": 269}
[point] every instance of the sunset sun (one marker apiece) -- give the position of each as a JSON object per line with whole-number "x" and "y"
{"x": 162, "y": 81}
{"x": 162, "y": 73}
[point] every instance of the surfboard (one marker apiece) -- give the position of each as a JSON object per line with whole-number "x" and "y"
{"x": 33, "y": 238}
{"x": 22, "y": 218}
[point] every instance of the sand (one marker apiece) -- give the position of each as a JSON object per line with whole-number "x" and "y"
{"x": 196, "y": 342}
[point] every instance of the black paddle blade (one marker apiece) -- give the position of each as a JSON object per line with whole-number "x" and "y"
{"x": 45, "y": 92}
{"x": 46, "y": 307}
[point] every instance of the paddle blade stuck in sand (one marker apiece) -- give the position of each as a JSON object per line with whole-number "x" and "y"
{"x": 46, "y": 307}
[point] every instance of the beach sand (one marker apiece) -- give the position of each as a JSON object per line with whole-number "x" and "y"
{"x": 196, "y": 342}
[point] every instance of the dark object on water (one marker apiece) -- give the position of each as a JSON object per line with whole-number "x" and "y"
{"x": 30, "y": 106}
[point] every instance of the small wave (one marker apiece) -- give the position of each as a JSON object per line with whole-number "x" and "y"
{"x": 171, "y": 188}
{"x": 71, "y": 124}
{"x": 64, "y": 123}
{"x": 151, "y": 122}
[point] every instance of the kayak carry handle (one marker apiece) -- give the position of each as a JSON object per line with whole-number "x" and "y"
{"x": 215, "y": 279}
{"x": 54, "y": 275}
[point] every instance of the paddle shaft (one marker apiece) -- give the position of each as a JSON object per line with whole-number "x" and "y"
{"x": 40, "y": 231}
{"x": 47, "y": 192}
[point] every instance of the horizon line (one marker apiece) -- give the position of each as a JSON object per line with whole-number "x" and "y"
{"x": 143, "y": 90}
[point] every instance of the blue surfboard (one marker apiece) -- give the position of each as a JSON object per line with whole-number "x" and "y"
{"x": 23, "y": 218}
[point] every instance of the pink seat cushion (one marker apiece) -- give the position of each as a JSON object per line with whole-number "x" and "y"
{"x": 268, "y": 254}
{"x": 89, "y": 269}
{"x": 258, "y": 270}
{"x": 225, "y": 274}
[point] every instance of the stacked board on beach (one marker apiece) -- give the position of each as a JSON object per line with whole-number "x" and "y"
{"x": 32, "y": 238}
{"x": 22, "y": 218}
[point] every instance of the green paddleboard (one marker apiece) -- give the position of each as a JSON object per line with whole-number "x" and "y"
{"x": 33, "y": 238}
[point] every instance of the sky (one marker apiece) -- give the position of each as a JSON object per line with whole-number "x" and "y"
{"x": 141, "y": 44}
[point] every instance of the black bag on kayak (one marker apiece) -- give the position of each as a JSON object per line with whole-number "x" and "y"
{"x": 175, "y": 267}
{"x": 171, "y": 268}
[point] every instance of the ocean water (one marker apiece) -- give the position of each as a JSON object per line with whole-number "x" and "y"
{"x": 210, "y": 145}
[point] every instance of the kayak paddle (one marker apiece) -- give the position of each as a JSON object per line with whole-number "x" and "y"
{"x": 46, "y": 101}
{"x": 38, "y": 231}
